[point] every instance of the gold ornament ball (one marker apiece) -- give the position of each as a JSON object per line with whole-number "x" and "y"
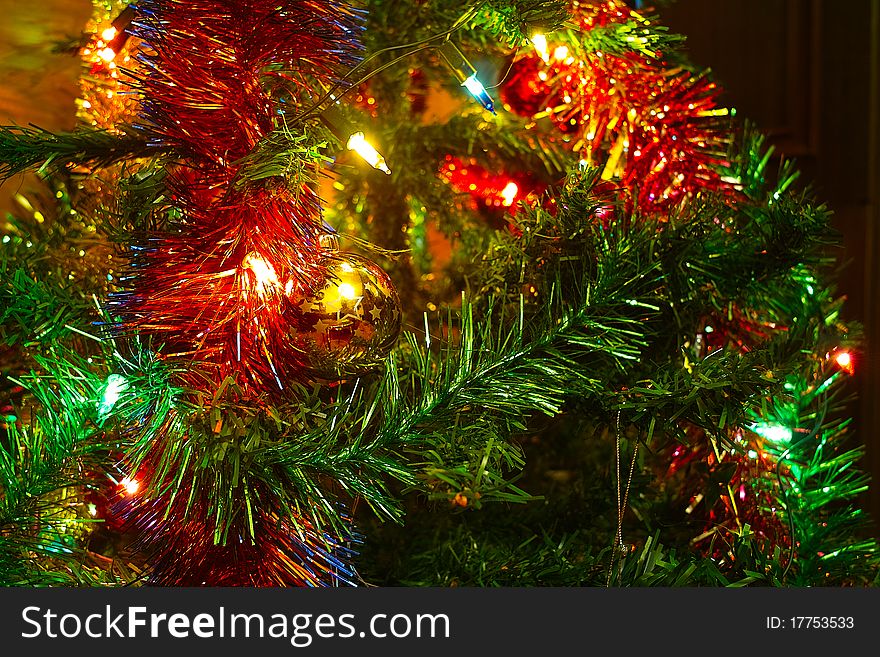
{"x": 351, "y": 322}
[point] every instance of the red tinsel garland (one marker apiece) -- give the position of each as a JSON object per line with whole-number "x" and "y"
{"x": 653, "y": 128}
{"x": 217, "y": 290}
{"x": 207, "y": 73}
{"x": 725, "y": 496}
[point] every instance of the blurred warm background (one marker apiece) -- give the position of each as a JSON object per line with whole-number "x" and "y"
{"x": 39, "y": 80}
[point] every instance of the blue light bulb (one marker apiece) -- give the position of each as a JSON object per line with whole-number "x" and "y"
{"x": 479, "y": 92}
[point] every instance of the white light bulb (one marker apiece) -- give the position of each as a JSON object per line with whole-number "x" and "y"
{"x": 131, "y": 486}
{"x": 540, "y": 43}
{"x": 508, "y": 194}
{"x": 359, "y": 144}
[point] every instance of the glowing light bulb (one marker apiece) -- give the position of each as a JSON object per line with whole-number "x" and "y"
{"x": 131, "y": 486}
{"x": 479, "y": 92}
{"x": 107, "y": 54}
{"x": 845, "y": 361}
{"x": 776, "y": 433}
{"x": 109, "y": 34}
{"x": 114, "y": 387}
{"x": 359, "y": 144}
{"x": 263, "y": 272}
{"x": 540, "y": 43}
{"x": 466, "y": 74}
{"x": 508, "y": 194}
{"x": 560, "y": 53}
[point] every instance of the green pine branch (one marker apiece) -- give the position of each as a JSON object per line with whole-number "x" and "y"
{"x": 23, "y": 148}
{"x": 46, "y": 465}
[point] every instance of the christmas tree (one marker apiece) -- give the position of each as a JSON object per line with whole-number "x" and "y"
{"x": 417, "y": 293}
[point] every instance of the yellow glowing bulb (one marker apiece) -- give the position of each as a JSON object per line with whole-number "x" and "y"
{"x": 844, "y": 360}
{"x": 109, "y": 34}
{"x": 560, "y": 53}
{"x": 263, "y": 272}
{"x": 509, "y": 193}
{"x": 131, "y": 486}
{"x": 107, "y": 54}
{"x": 540, "y": 43}
{"x": 359, "y": 144}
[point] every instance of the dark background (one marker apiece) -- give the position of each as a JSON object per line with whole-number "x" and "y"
{"x": 808, "y": 72}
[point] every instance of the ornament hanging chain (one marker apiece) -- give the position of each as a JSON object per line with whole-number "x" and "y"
{"x": 618, "y": 548}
